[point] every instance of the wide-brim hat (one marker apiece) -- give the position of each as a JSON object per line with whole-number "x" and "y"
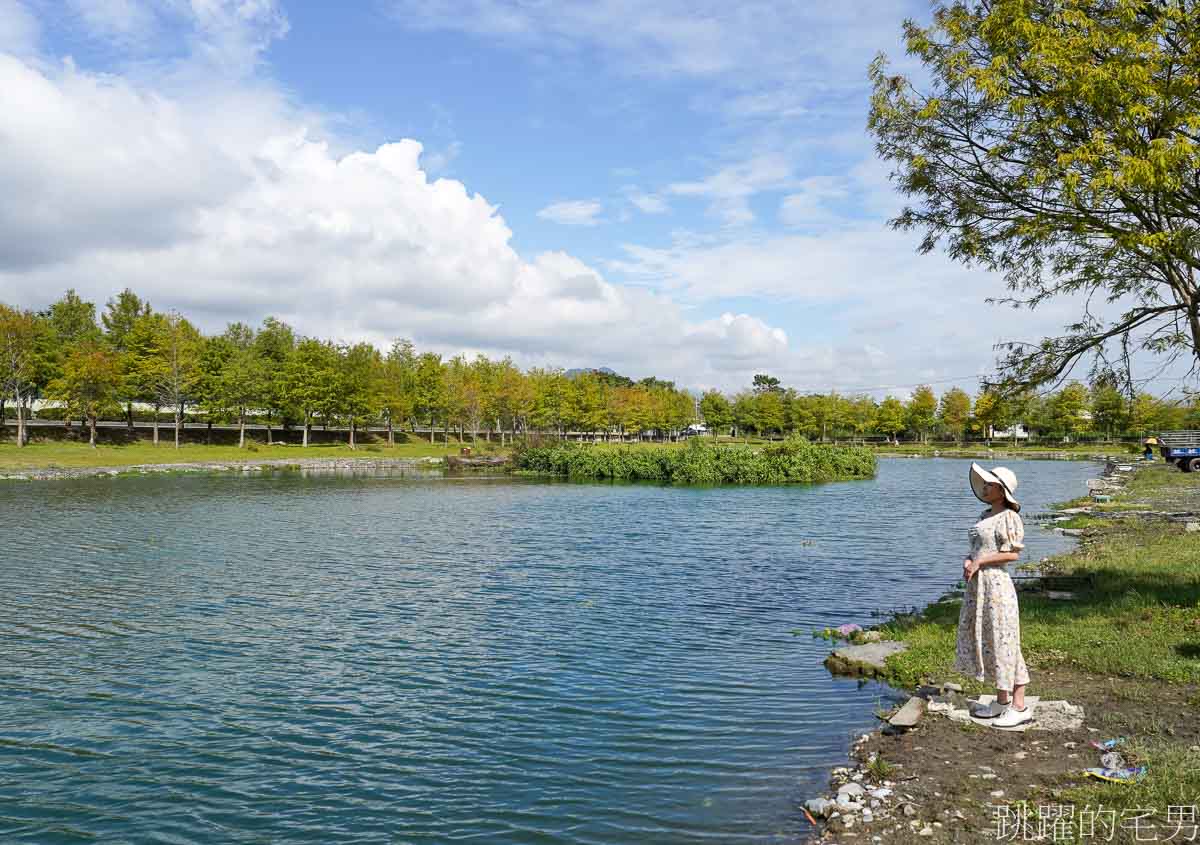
{"x": 1003, "y": 476}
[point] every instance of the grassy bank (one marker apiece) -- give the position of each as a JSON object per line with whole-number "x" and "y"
{"x": 1135, "y": 628}
{"x": 72, "y": 455}
{"x": 1007, "y": 448}
{"x": 792, "y": 461}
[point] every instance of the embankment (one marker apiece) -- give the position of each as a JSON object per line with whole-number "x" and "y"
{"x": 1118, "y": 638}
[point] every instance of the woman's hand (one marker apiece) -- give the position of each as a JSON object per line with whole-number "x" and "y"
{"x": 970, "y": 567}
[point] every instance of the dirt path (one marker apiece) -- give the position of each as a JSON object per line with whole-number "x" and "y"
{"x": 948, "y": 774}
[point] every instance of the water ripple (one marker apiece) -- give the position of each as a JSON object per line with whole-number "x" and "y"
{"x": 329, "y": 659}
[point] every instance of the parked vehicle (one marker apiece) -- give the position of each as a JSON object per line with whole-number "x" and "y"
{"x": 1181, "y": 448}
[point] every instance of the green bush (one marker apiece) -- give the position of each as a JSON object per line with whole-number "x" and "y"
{"x": 791, "y": 461}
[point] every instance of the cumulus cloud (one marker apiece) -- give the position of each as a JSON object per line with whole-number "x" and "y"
{"x": 573, "y": 212}
{"x": 228, "y": 203}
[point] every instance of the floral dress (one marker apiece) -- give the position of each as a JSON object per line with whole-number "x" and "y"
{"x": 989, "y": 625}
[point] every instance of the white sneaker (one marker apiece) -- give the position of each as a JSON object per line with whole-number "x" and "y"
{"x": 1012, "y": 717}
{"x": 988, "y": 711}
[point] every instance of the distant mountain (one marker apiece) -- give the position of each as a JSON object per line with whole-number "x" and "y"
{"x": 578, "y": 371}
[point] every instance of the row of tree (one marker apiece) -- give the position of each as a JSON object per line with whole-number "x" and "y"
{"x": 136, "y": 355}
{"x": 1075, "y": 411}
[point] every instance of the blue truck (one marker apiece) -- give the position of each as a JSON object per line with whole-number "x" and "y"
{"x": 1181, "y": 448}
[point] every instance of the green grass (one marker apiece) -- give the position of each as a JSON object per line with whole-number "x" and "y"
{"x": 1172, "y": 780}
{"x": 974, "y": 448}
{"x": 52, "y": 454}
{"x": 1139, "y": 619}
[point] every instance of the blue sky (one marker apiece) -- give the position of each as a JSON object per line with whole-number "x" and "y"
{"x": 676, "y": 188}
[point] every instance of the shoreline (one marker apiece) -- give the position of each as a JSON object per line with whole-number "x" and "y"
{"x": 930, "y": 773}
{"x": 1034, "y": 454}
{"x": 67, "y": 473}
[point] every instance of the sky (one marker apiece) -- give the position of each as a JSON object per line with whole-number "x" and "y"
{"x": 679, "y": 188}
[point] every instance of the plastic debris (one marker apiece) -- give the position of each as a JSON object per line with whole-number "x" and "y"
{"x": 1108, "y": 744}
{"x": 1126, "y": 775}
{"x": 1112, "y": 760}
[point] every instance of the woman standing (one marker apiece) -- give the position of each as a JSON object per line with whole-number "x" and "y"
{"x": 989, "y": 625}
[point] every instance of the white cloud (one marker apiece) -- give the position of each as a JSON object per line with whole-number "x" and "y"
{"x": 573, "y": 212}
{"x": 121, "y": 20}
{"x": 437, "y": 163}
{"x": 228, "y": 203}
{"x": 731, "y": 187}
{"x": 811, "y": 204}
{"x": 18, "y": 28}
{"x": 644, "y": 202}
{"x": 741, "y": 44}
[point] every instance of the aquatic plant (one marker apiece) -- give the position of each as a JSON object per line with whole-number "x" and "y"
{"x": 795, "y": 460}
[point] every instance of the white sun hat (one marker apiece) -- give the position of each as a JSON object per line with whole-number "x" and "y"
{"x": 998, "y": 475}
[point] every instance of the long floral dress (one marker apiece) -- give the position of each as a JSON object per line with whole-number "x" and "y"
{"x": 989, "y": 625}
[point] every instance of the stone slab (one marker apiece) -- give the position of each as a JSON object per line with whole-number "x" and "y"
{"x": 908, "y": 715}
{"x": 865, "y": 659}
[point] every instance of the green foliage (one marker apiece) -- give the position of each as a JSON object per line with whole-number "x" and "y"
{"x": 716, "y": 411}
{"x": 891, "y": 419}
{"x": 792, "y": 461}
{"x": 1057, "y": 143}
{"x": 90, "y": 381}
{"x": 922, "y": 410}
{"x": 954, "y": 411}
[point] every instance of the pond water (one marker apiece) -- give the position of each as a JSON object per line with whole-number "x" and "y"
{"x": 328, "y": 659}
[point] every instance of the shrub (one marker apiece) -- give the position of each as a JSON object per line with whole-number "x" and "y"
{"x": 792, "y": 461}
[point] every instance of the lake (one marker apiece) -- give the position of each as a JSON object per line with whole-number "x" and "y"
{"x": 320, "y": 658}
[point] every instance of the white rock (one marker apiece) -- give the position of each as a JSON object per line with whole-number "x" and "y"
{"x": 845, "y": 802}
{"x": 926, "y": 831}
{"x": 852, "y": 789}
{"x": 819, "y": 806}
{"x": 999, "y": 793}
{"x": 881, "y": 793}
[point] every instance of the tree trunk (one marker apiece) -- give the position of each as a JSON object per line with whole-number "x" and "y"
{"x": 156, "y": 408}
{"x": 178, "y": 423}
{"x": 307, "y": 418}
{"x": 242, "y": 429}
{"x": 92, "y": 431}
{"x": 352, "y": 433}
{"x": 129, "y": 416}
{"x": 208, "y": 432}
{"x": 269, "y": 440}
{"x": 391, "y": 436}
{"x": 20, "y": 421}
{"x": 3, "y": 421}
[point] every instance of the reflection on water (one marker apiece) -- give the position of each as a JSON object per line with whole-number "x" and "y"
{"x": 399, "y": 657}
